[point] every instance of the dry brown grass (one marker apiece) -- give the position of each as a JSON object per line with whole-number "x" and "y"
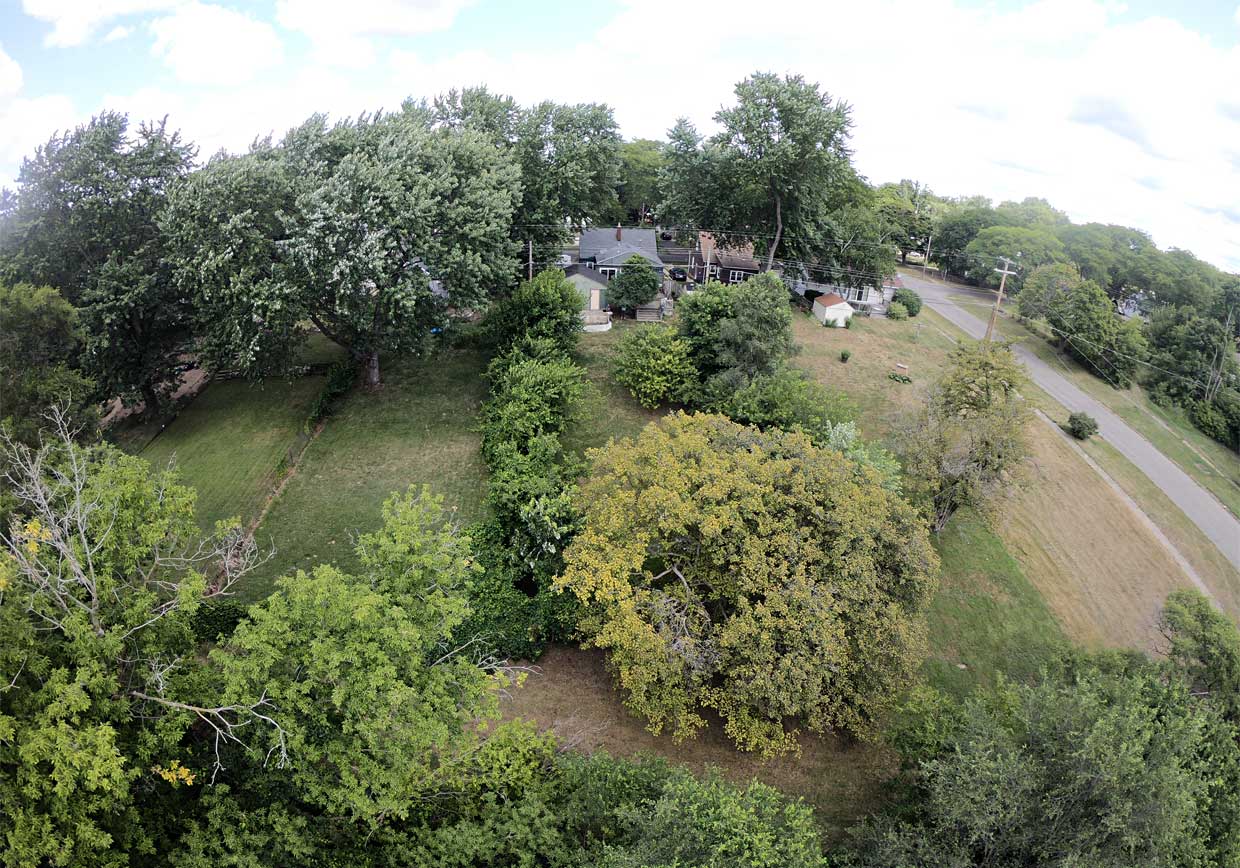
{"x": 1100, "y": 570}
{"x": 1103, "y": 574}
{"x": 572, "y": 694}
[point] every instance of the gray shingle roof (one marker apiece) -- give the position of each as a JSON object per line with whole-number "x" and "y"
{"x": 601, "y": 246}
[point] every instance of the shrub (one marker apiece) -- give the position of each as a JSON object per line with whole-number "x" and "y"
{"x": 910, "y": 300}
{"x": 788, "y": 400}
{"x": 340, "y": 379}
{"x": 548, "y": 306}
{"x": 530, "y": 398}
{"x": 848, "y": 323}
{"x": 1209, "y": 420}
{"x": 653, "y": 364}
{"x": 636, "y": 284}
{"x": 897, "y": 311}
{"x": 845, "y": 355}
{"x": 1082, "y": 426}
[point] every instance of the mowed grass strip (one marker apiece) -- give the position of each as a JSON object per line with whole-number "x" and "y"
{"x": 231, "y": 440}
{"x": 988, "y": 619}
{"x": 608, "y": 410}
{"x": 418, "y": 429}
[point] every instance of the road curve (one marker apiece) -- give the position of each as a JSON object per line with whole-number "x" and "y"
{"x": 1201, "y": 507}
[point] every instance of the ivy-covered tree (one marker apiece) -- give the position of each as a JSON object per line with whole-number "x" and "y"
{"x": 752, "y": 573}
{"x": 84, "y": 221}
{"x": 371, "y": 230}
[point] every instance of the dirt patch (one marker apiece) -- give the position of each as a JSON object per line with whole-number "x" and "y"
{"x": 572, "y": 694}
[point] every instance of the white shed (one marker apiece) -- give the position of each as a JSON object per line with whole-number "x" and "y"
{"x": 830, "y": 309}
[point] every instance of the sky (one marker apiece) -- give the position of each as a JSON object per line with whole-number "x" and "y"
{"x": 1122, "y": 113}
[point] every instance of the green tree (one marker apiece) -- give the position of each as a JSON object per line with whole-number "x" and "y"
{"x": 1094, "y": 768}
{"x": 391, "y": 223}
{"x": 655, "y": 366}
{"x": 737, "y": 331}
{"x": 636, "y": 284}
{"x": 956, "y": 228}
{"x": 568, "y": 157}
{"x": 749, "y": 572}
{"x": 774, "y": 174}
{"x": 1204, "y": 645}
{"x": 910, "y": 209}
{"x": 547, "y": 307}
{"x": 641, "y": 162}
{"x": 965, "y": 445}
{"x": 1028, "y": 247}
{"x": 84, "y": 222}
{"x": 1045, "y": 288}
{"x": 1088, "y": 326}
{"x": 105, "y": 709}
{"x": 370, "y": 704}
{"x": 40, "y": 345}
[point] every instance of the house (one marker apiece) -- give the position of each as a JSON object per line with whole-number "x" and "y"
{"x": 830, "y": 309}
{"x": 726, "y": 264}
{"x": 605, "y": 250}
{"x": 864, "y": 299}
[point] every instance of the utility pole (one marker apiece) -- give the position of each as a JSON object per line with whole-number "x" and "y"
{"x": 530, "y": 245}
{"x": 994, "y": 312}
{"x": 925, "y": 263}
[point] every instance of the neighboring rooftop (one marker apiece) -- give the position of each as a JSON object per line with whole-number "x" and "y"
{"x": 613, "y": 246}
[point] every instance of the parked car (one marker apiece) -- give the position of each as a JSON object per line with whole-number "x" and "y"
{"x": 679, "y": 275}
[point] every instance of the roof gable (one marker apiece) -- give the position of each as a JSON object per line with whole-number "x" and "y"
{"x": 596, "y": 241}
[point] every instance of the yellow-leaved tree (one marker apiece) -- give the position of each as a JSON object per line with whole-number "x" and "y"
{"x": 752, "y": 573}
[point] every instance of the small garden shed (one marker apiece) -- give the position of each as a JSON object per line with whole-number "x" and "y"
{"x": 830, "y": 309}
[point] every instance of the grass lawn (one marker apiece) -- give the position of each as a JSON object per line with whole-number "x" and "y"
{"x": 987, "y": 617}
{"x": 229, "y": 441}
{"x": 418, "y": 429}
{"x": 608, "y": 411}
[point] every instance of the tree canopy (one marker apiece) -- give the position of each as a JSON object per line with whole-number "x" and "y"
{"x": 369, "y": 229}
{"x": 84, "y": 221}
{"x": 751, "y": 573}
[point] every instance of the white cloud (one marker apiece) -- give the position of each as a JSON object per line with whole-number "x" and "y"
{"x": 341, "y": 31}
{"x": 208, "y": 44}
{"x": 10, "y": 75}
{"x": 75, "y": 21}
{"x": 118, "y": 33}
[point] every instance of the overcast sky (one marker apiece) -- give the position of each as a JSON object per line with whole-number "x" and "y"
{"x": 1121, "y": 113}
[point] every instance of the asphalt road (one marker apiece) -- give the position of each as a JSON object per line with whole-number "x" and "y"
{"x": 1201, "y": 507}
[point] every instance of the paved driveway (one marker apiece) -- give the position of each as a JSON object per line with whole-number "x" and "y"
{"x": 1202, "y": 508}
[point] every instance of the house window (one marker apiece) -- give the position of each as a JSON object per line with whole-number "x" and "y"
{"x": 735, "y": 276}
{"x": 609, "y": 273}
{"x": 590, "y": 265}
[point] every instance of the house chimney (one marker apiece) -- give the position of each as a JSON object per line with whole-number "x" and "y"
{"x": 618, "y": 232}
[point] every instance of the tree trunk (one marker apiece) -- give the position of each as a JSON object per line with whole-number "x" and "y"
{"x": 779, "y": 231}
{"x": 371, "y": 361}
{"x": 150, "y": 401}
{"x": 904, "y": 257}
